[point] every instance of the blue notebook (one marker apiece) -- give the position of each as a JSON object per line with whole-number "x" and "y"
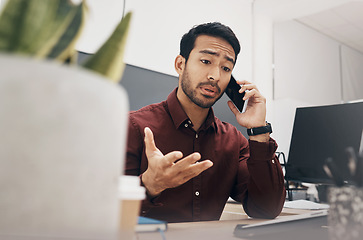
{"x": 145, "y": 224}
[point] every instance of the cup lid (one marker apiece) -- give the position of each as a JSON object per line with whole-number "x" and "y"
{"x": 130, "y": 189}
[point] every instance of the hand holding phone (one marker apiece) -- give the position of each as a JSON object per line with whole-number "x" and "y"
{"x": 233, "y": 93}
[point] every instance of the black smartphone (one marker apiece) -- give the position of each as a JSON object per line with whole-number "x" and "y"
{"x": 232, "y": 92}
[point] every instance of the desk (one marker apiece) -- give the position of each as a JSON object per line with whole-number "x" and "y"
{"x": 233, "y": 214}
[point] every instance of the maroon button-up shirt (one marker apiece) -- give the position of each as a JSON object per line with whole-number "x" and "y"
{"x": 247, "y": 171}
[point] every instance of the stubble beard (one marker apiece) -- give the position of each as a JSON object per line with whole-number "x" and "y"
{"x": 192, "y": 93}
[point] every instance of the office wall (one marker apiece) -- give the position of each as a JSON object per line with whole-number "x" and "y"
{"x": 310, "y": 69}
{"x": 102, "y": 18}
{"x": 158, "y": 26}
{"x": 352, "y": 74}
{"x": 307, "y": 72}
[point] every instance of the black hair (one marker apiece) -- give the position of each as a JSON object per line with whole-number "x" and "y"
{"x": 214, "y": 29}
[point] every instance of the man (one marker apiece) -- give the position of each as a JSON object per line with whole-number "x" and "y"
{"x": 188, "y": 160}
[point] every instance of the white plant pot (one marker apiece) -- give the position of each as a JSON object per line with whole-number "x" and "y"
{"x": 62, "y": 146}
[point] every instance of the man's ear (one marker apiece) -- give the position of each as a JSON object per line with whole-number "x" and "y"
{"x": 179, "y": 64}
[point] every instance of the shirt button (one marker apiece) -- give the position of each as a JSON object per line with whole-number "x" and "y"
{"x": 186, "y": 125}
{"x": 196, "y": 193}
{"x": 190, "y": 122}
{"x": 273, "y": 160}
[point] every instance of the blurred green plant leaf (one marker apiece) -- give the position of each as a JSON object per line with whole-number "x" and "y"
{"x": 41, "y": 28}
{"x": 108, "y": 60}
{"x": 65, "y": 46}
{"x": 50, "y": 29}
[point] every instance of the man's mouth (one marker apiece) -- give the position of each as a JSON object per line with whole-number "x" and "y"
{"x": 209, "y": 91}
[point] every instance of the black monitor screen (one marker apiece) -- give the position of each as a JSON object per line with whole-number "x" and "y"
{"x": 319, "y": 133}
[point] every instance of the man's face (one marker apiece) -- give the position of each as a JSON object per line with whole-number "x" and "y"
{"x": 207, "y": 71}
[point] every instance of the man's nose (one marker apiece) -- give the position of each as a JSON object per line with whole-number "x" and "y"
{"x": 214, "y": 74}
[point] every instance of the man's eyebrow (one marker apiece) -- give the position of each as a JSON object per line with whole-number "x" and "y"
{"x": 229, "y": 59}
{"x": 216, "y": 54}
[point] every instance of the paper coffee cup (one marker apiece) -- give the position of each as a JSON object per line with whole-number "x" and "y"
{"x": 130, "y": 194}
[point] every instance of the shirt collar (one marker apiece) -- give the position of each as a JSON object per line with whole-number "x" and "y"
{"x": 180, "y": 117}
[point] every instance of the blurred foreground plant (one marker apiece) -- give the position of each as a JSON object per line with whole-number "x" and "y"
{"x": 50, "y": 29}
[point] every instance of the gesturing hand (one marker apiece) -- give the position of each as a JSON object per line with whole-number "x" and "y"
{"x": 170, "y": 170}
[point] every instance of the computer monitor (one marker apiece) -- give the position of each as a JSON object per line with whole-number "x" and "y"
{"x": 319, "y": 133}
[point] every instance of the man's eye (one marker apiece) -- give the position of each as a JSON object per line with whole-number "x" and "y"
{"x": 205, "y": 61}
{"x": 226, "y": 69}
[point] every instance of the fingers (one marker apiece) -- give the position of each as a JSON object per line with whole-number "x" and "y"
{"x": 255, "y": 95}
{"x": 188, "y": 160}
{"x": 172, "y": 157}
{"x": 149, "y": 140}
{"x": 251, "y": 90}
{"x": 192, "y": 170}
{"x": 246, "y": 85}
{"x": 191, "y": 165}
{"x": 153, "y": 152}
{"x": 202, "y": 166}
{"x": 197, "y": 168}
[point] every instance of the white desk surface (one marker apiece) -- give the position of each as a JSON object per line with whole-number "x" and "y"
{"x": 233, "y": 214}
